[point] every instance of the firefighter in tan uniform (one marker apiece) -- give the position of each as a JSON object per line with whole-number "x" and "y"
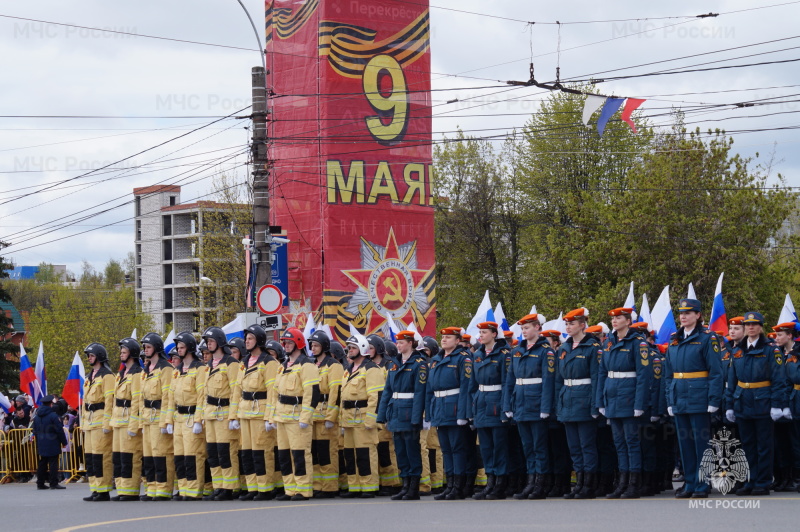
{"x": 362, "y": 384}
{"x": 257, "y": 455}
{"x": 295, "y": 396}
{"x": 98, "y": 404}
{"x": 185, "y": 423}
{"x": 127, "y": 439}
{"x": 325, "y": 442}
{"x": 388, "y": 473}
{"x": 158, "y": 462}
{"x": 220, "y": 410}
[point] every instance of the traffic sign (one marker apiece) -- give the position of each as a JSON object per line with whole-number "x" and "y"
{"x": 280, "y": 271}
{"x": 271, "y": 323}
{"x": 269, "y": 299}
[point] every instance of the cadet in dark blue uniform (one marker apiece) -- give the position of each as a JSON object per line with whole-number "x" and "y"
{"x": 576, "y": 388}
{"x": 792, "y": 367}
{"x": 528, "y": 399}
{"x": 402, "y": 407}
{"x": 623, "y": 386}
{"x": 757, "y": 391}
{"x": 489, "y": 374}
{"x": 448, "y": 408}
{"x": 785, "y": 441}
{"x": 694, "y": 391}
{"x": 606, "y": 452}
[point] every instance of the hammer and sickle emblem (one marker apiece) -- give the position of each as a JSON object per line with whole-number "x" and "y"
{"x": 393, "y": 284}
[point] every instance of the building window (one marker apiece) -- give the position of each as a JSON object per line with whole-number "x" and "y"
{"x": 138, "y": 229}
{"x": 167, "y": 318}
{"x": 172, "y": 201}
{"x": 195, "y": 274}
{"x": 168, "y": 274}
{"x": 138, "y": 206}
{"x": 167, "y": 225}
{"x": 194, "y": 249}
{"x": 138, "y": 254}
{"x": 138, "y": 277}
{"x": 167, "y": 298}
{"x": 194, "y": 225}
{"x": 167, "y": 249}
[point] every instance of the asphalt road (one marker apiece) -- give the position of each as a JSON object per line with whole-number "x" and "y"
{"x": 25, "y": 509}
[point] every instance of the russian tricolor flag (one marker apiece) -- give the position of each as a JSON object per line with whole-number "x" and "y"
{"x": 73, "y": 387}
{"x": 663, "y": 319}
{"x": 27, "y": 376}
{"x": 41, "y": 374}
{"x": 719, "y": 318}
{"x": 5, "y": 404}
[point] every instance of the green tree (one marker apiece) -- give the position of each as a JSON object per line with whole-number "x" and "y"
{"x": 78, "y": 317}
{"x": 46, "y": 274}
{"x": 113, "y": 274}
{"x": 9, "y": 372}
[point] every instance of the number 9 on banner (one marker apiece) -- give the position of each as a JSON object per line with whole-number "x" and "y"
{"x": 391, "y": 104}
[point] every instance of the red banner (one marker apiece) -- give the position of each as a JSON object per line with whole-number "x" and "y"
{"x": 350, "y": 138}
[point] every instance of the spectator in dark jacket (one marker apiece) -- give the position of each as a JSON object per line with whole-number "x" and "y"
{"x": 49, "y": 433}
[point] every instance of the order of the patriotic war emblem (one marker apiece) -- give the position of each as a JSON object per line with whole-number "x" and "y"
{"x": 724, "y": 464}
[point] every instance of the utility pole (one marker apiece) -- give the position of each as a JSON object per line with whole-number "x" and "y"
{"x": 261, "y": 237}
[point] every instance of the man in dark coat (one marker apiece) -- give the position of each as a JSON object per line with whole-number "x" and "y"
{"x": 49, "y": 433}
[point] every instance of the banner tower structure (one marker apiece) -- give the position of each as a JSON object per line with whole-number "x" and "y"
{"x": 350, "y": 149}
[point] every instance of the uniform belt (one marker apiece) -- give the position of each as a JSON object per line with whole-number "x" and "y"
{"x": 91, "y": 407}
{"x": 445, "y": 393}
{"x": 690, "y": 375}
{"x": 532, "y": 380}
{"x": 290, "y": 399}
{"x": 124, "y": 403}
{"x": 254, "y": 396}
{"x": 354, "y": 404}
{"x": 576, "y": 382}
{"x": 797, "y": 387}
{"x": 760, "y": 384}
{"x": 217, "y": 401}
{"x": 490, "y": 387}
{"x": 183, "y": 409}
{"x": 323, "y": 398}
{"x": 621, "y": 374}
{"x": 152, "y": 404}
{"x": 400, "y": 395}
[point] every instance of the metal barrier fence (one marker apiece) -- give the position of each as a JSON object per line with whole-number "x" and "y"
{"x": 18, "y": 455}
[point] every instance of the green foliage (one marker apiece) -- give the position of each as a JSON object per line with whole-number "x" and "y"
{"x": 560, "y": 218}
{"x": 9, "y": 372}
{"x": 77, "y": 317}
{"x": 113, "y": 274}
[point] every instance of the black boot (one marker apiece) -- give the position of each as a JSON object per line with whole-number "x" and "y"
{"x": 225, "y": 495}
{"x": 579, "y": 480}
{"x": 605, "y": 484}
{"x": 499, "y": 491}
{"x": 634, "y": 490}
{"x": 265, "y": 496}
{"x": 400, "y": 494}
{"x": 622, "y": 485}
{"x": 457, "y": 493}
{"x": 513, "y": 485}
{"x": 99, "y": 497}
{"x": 413, "y": 490}
{"x": 490, "y": 482}
{"x": 588, "y": 487}
{"x": 212, "y": 497}
{"x": 247, "y": 495}
{"x": 91, "y": 497}
{"x": 527, "y": 489}
{"x": 557, "y": 489}
{"x": 469, "y": 486}
{"x": 443, "y": 495}
{"x": 647, "y": 489}
{"x": 541, "y": 486}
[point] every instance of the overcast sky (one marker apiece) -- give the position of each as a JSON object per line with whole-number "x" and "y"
{"x": 55, "y": 70}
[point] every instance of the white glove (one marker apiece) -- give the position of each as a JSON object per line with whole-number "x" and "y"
{"x": 461, "y": 422}
{"x": 303, "y": 425}
{"x": 730, "y": 415}
{"x": 268, "y": 426}
{"x": 510, "y": 415}
{"x": 329, "y": 425}
{"x": 775, "y": 413}
{"x": 170, "y": 428}
{"x": 131, "y": 434}
{"x": 342, "y": 431}
{"x": 595, "y": 416}
{"x": 654, "y": 419}
{"x": 669, "y": 411}
{"x": 197, "y": 428}
{"x": 787, "y": 413}
{"x": 638, "y": 413}
{"x": 544, "y": 415}
{"x": 163, "y": 430}
{"x": 106, "y": 431}
{"x": 426, "y": 425}
{"x": 233, "y": 424}
{"x": 712, "y": 409}
{"x": 602, "y": 411}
